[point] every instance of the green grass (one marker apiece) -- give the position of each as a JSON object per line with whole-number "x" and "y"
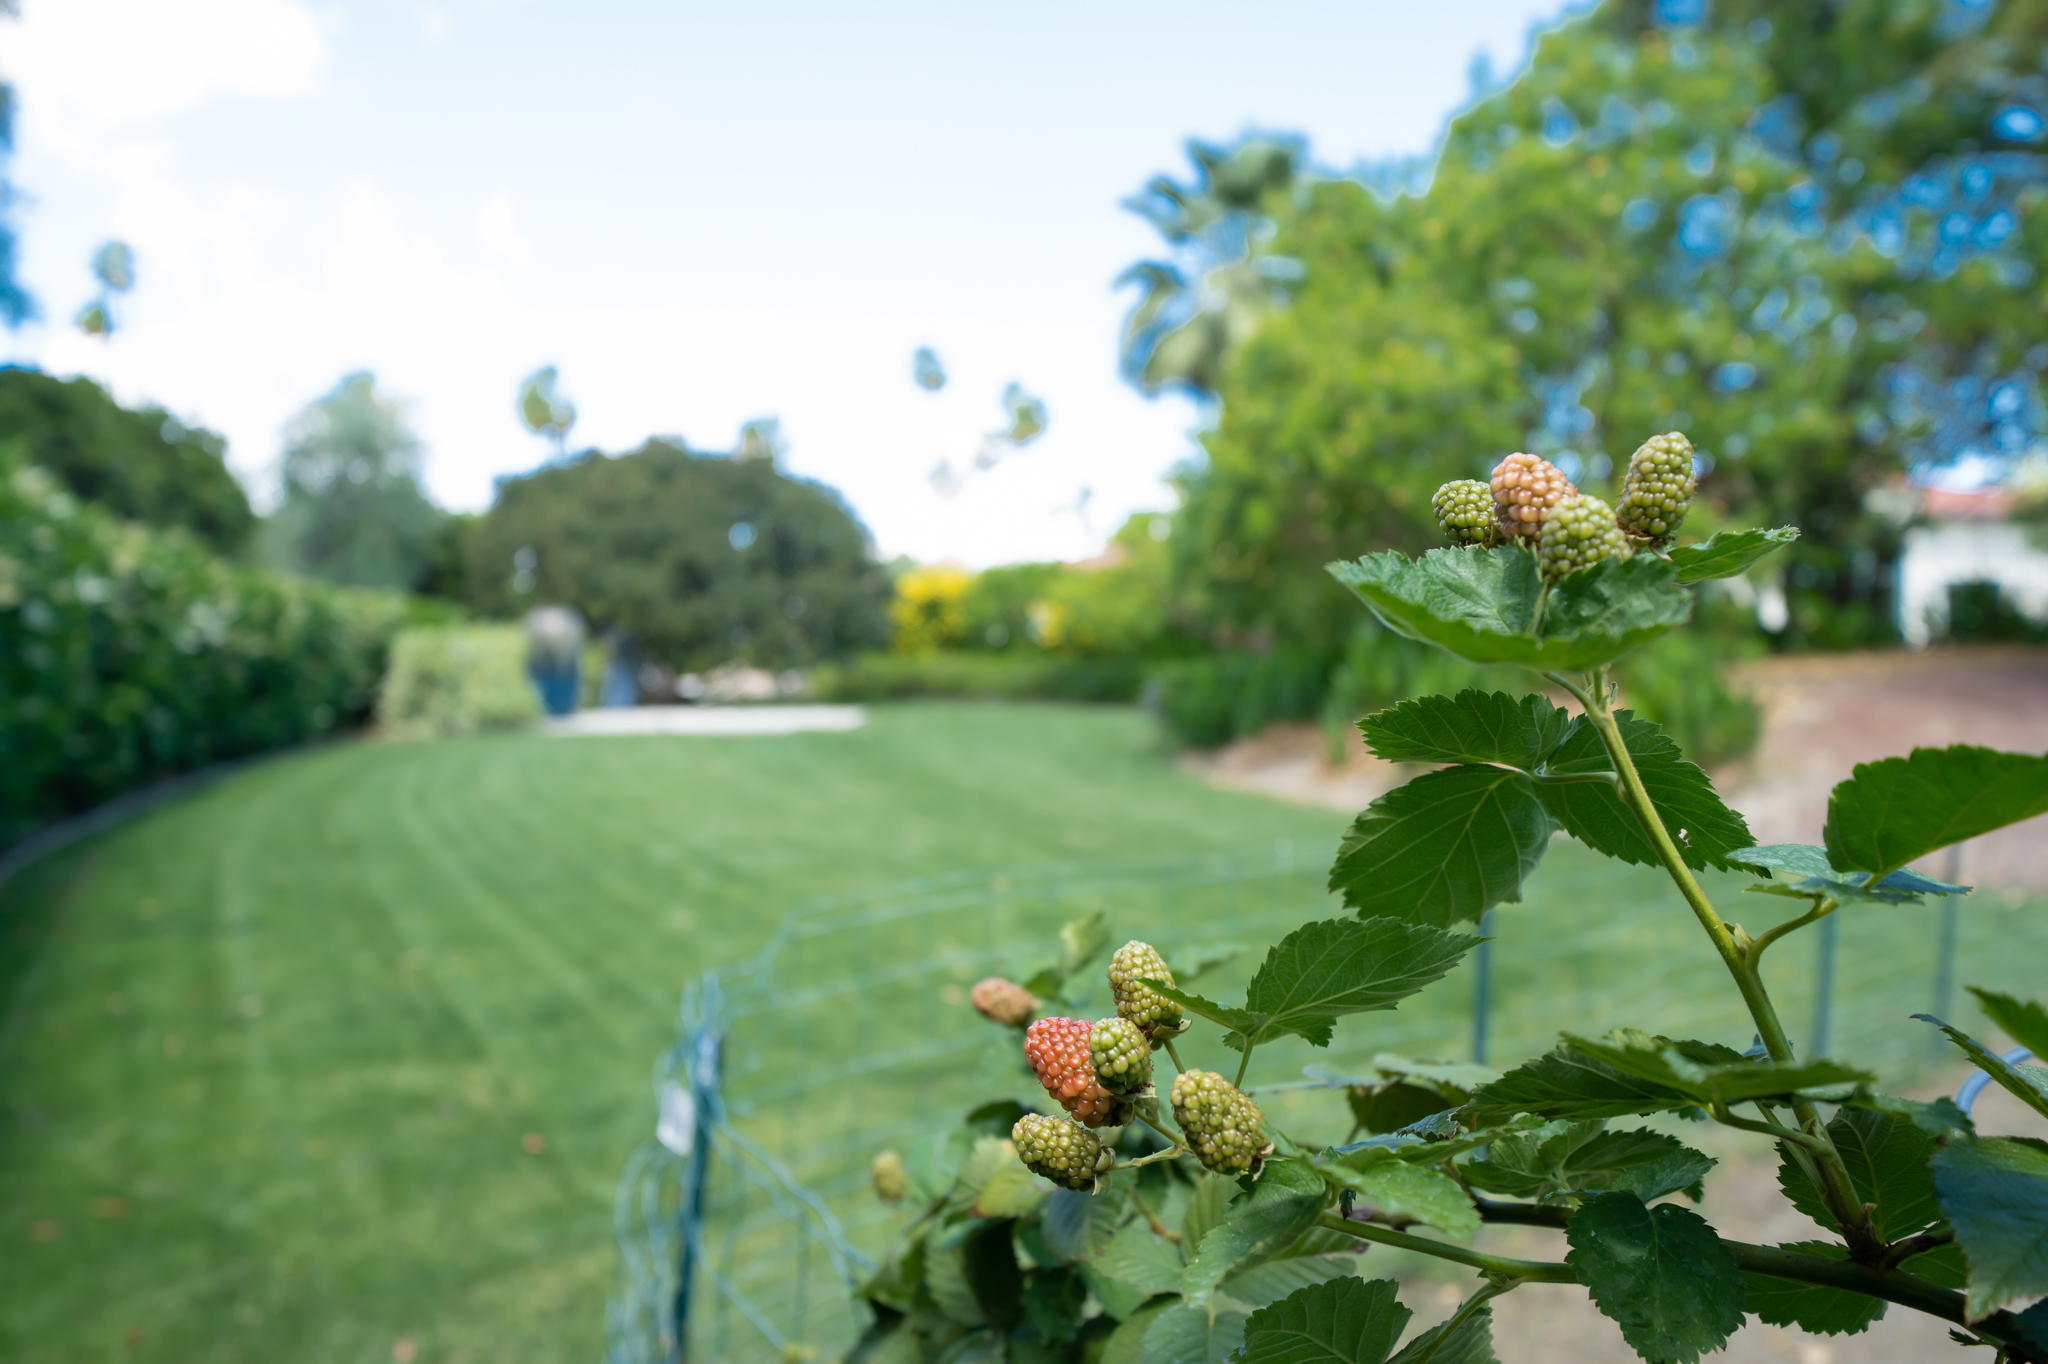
{"x": 272, "y": 1052}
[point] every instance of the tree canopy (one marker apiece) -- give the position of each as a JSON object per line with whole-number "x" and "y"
{"x": 703, "y": 559}
{"x": 1810, "y": 235}
{"x": 141, "y": 464}
{"x": 350, "y": 506}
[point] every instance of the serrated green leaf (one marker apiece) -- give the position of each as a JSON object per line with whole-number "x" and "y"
{"x": 1126, "y": 1344}
{"x": 1730, "y": 553}
{"x": 1285, "y": 1201}
{"x": 1457, "y": 1341}
{"x": 1205, "y": 1210}
{"x": 1344, "y": 1321}
{"x": 1452, "y": 1079}
{"x": 1886, "y": 1157}
{"x": 1054, "y": 1300}
{"x": 1471, "y": 727}
{"x": 1659, "y": 1273}
{"x": 1481, "y": 604}
{"x": 1077, "y": 1226}
{"x": 1323, "y": 971}
{"x": 1012, "y": 1191}
{"x": 1810, "y": 1307}
{"x": 1897, "y": 810}
{"x": 1184, "y": 1333}
{"x": 1936, "y": 1117}
{"x": 1809, "y": 873}
{"x": 1583, "y": 1158}
{"x": 2021, "y": 1084}
{"x": 1706, "y": 830}
{"x": 1708, "y": 1073}
{"x": 989, "y": 1263}
{"x": 1565, "y": 1082}
{"x": 1135, "y": 1265}
{"x": 1379, "y": 1109}
{"x": 1994, "y": 1191}
{"x": 1446, "y": 847}
{"x": 1260, "y": 1284}
{"x": 2023, "y": 1020}
{"x": 945, "y": 1277}
{"x": 1400, "y": 1189}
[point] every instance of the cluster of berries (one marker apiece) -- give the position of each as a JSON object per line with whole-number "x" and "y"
{"x": 1530, "y": 502}
{"x": 1101, "y": 1072}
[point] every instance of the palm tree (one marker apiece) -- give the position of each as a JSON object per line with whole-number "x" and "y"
{"x": 1209, "y": 295}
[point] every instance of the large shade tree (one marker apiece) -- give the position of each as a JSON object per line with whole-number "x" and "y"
{"x": 702, "y": 559}
{"x": 1216, "y": 280}
{"x": 1670, "y": 219}
{"x": 140, "y": 463}
{"x": 351, "y": 508}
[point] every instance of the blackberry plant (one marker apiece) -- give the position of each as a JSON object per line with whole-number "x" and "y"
{"x": 1129, "y": 1231}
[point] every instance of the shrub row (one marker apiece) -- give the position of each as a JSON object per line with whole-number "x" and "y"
{"x": 128, "y": 655}
{"x": 458, "y": 679}
{"x": 992, "y": 676}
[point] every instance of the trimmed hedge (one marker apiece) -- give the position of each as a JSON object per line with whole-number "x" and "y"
{"x": 988, "y": 676}
{"x": 128, "y": 655}
{"x": 458, "y": 679}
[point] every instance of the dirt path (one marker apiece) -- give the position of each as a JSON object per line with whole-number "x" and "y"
{"x": 1822, "y": 715}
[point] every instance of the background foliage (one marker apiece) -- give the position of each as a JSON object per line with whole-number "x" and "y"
{"x": 141, "y": 464}
{"x": 453, "y": 679}
{"x": 133, "y": 654}
{"x": 1812, "y": 235}
{"x": 703, "y": 559}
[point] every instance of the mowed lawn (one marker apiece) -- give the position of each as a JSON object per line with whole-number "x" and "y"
{"x": 339, "y": 1059}
{"x": 349, "y": 1048}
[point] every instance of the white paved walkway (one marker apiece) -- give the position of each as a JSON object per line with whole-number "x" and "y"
{"x": 709, "y": 720}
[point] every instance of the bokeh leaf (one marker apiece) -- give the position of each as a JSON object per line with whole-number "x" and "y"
{"x": 1895, "y": 810}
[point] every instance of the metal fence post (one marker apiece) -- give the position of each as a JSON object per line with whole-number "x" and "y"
{"x": 706, "y": 1052}
{"x": 1944, "y": 991}
{"x": 1823, "y": 986}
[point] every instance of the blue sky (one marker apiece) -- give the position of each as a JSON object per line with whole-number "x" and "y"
{"x": 701, "y": 213}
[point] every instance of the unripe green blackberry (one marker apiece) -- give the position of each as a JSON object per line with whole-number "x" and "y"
{"x": 891, "y": 1181}
{"x": 1657, "y": 488}
{"x": 1464, "y": 512}
{"x": 1221, "y": 1123}
{"x": 1061, "y": 1150}
{"x": 1122, "y": 1056}
{"x": 1057, "y": 1049}
{"x": 1525, "y": 488}
{"x": 1579, "y": 533}
{"x": 1133, "y": 965}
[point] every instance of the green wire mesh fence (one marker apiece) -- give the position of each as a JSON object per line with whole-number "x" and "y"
{"x": 744, "y": 1224}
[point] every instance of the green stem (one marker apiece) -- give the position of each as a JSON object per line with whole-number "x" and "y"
{"x": 1168, "y": 1154}
{"x": 1142, "y": 1117}
{"x": 1727, "y": 1118}
{"x": 1167, "y": 1042}
{"x": 1822, "y": 907}
{"x": 1835, "y": 1185}
{"x": 1480, "y": 1296}
{"x": 1891, "y": 1285}
{"x": 1520, "y": 1271}
{"x": 1243, "y": 1062}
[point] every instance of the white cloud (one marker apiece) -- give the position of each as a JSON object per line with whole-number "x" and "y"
{"x": 110, "y": 62}
{"x": 497, "y": 229}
